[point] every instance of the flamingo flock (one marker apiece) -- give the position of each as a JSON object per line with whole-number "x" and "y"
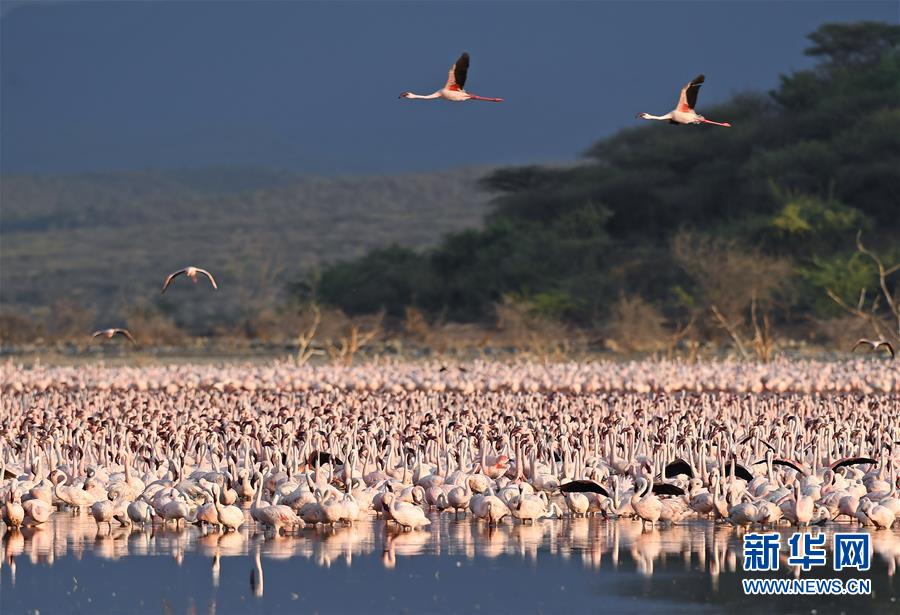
{"x": 192, "y": 452}
{"x": 684, "y": 112}
{"x": 779, "y": 377}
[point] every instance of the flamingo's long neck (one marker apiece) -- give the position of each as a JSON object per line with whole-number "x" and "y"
{"x": 429, "y": 96}
{"x": 59, "y": 484}
{"x": 257, "y": 497}
{"x": 647, "y": 116}
{"x": 217, "y": 494}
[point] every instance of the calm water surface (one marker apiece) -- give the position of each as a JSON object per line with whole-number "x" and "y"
{"x": 554, "y": 566}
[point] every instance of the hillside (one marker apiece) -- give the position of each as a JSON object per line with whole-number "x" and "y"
{"x": 106, "y": 241}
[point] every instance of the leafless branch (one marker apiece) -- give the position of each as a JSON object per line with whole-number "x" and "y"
{"x": 883, "y": 273}
{"x": 355, "y": 340}
{"x": 305, "y": 351}
{"x": 732, "y": 331}
{"x": 870, "y": 318}
{"x": 679, "y": 334}
{"x": 762, "y": 338}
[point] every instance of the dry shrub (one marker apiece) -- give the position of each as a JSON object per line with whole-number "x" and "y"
{"x": 150, "y": 327}
{"x": 264, "y": 325}
{"x": 416, "y": 326}
{"x": 333, "y": 325}
{"x": 19, "y": 329}
{"x": 728, "y": 275}
{"x": 842, "y": 332}
{"x": 635, "y": 325}
{"x": 456, "y": 338}
{"x": 440, "y": 336}
{"x": 69, "y": 321}
{"x": 737, "y": 285}
{"x": 520, "y": 328}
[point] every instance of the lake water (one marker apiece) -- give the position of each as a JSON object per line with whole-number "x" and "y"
{"x": 456, "y": 565}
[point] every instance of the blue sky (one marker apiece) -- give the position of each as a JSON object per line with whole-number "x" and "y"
{"x": 312, "y": 86}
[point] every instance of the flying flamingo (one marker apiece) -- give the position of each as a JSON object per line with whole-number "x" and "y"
{"x": 875, "y": 345}
{"x": 453, "y": 89}
{"x": 111, "y": 333}
{"x": 192, "y": 273}
{"x": 684, "y": 113}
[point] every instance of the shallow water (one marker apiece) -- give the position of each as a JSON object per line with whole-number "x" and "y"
{"x": 456, "y": 565}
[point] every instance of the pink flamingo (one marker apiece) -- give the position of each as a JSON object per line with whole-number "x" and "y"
{"x": 453, "y": 89}
{"x": 192, "y": 273}
{"x": 111, "y": 333}
{"x": 684, "y": 113}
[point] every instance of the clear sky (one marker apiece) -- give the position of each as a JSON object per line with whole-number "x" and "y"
{"x": 312, "y": 86}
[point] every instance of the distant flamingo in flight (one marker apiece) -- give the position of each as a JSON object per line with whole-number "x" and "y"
{"x": 111, "y": 333}
{"x": 684, "y": 113}
{"x": 875, "y": 345}
{"x": 192, "y": 273}
{"x": 453, "y": 89}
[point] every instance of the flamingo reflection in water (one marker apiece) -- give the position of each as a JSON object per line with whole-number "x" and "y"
{"x": 257, "y": 582}
{"x": 713, "y": 547}
{"x": 405, "y": 544}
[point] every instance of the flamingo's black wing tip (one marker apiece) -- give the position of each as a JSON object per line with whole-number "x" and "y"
{"x": 679, "y": 466}
{"x": 853, "y": 461}
{"x": 667, "y": 489}
{"x": 583, "y": 486}
{"x": 739, "y": 471}
{"x": 788, "y": 464}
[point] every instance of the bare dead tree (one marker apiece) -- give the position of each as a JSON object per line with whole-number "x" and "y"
{"x": 883, "y": 273}
{"x": 344, "y": 351}
{"x": 636, "y": 325}
{"x": 305, "y": 350}
{"x": 763, "y": 342}
{"x": 859, "y": 310}
{"x": 732, "y": 331}
{"x": 679, "y": 334}
{"x": 871, "y": 315}
{"x": 529, "y": 333}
